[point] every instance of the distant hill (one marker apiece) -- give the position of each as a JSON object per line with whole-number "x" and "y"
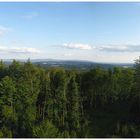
{"x": 74, "y": 64}
{"x": 71, "y": 64}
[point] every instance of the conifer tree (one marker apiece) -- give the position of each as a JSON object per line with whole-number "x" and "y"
{"x": 7, "y": 106}
{"x": 73, "y": 107}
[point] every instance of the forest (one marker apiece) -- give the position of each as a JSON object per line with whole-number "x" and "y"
{"x": 37, "y": 102}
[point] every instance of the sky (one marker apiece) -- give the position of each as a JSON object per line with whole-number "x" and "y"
{"x": 99, "y": 32}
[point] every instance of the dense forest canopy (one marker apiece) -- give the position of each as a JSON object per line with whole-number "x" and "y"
{"x": 57, "y": 103}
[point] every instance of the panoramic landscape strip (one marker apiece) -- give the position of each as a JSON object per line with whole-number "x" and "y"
{"x": 69, "y": 70}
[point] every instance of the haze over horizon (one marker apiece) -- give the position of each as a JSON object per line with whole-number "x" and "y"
{"x": 98, "y": 32}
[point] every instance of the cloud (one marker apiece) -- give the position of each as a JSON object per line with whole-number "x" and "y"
{"x": 120, "y": 48}
{"x": 3, "y": 30}
{"x": 19, "y": 50}
{"x": 106, "y": 48}
{"x": 67, "y": 54}
{"x": 31, "y": 15}
{"x": 76, "y": 46}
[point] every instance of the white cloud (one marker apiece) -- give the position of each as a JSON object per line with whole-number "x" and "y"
{"x": 105, "y": 48}
{"x": 121, "y": 48}
{"x": 67, "y": 54}
{"x": 3, "y": 30}
{"x": 31, "y": 15}
{"x": 19, "y": 50}
{"x": 76, "y": 46}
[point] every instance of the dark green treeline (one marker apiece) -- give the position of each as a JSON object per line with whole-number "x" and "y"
{"x": 44, "y": 103}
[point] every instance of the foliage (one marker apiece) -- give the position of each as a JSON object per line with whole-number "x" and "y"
{"x": 56, "y": 103}
{"x": 46, "y": 130}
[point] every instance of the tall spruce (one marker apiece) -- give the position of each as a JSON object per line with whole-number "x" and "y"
{"x": 73, "y": 107}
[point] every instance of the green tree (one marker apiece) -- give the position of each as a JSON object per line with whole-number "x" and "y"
{"x": 136, "y": 91}
{"x": 73, "y": 107}
{"x": 7, "y": 105}
{"x": 27, "y": 91}
{"x": 3, "y": 70}
{"x": 15, "y": 70}
{"x": 43, "y": 96}
{"x": 46, "y": 130}
{"x": 58, "y": 97}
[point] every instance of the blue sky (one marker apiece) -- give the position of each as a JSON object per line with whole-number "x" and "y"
{"x": 101, "y": 32}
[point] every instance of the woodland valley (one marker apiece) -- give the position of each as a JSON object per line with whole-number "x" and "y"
{"x": 55, "y": 102}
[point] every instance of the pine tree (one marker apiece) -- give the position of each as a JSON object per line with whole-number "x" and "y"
{"x": 136, "y": 98}
{"x": 46, "y": 130}
{"x": 58, "y": 97}
{"x": 7, "y": 105}
{"x": 73, "y": 107}
{"x": 3, "y": 70}
{"x": 44, "y": 96}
